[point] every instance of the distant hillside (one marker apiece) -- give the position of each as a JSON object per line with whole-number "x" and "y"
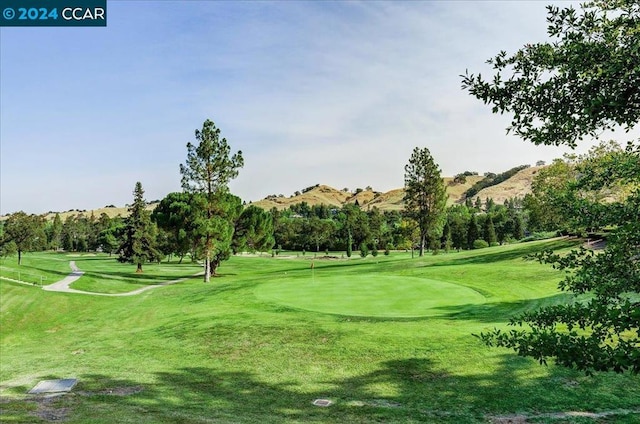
{"x": 321, "y": 194}
{"x": 516, "y": 186}
{"x": 110, "y": 211}
{"x": 389, "y": 201}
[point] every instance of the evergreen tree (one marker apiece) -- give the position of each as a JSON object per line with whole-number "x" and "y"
{"x": 478, "y": 204}
{"x": 472, "y": 231}
{"x": 489, "y": 204}
{"x": 468, "y": 202}
{"x": 207, "y": 171}
{"x": 447, "y": 237}
{"x": 458, "y": 217}
{"x": 518, "y": 227}
{"x": 176, "y": 215}
{"x": 253, "y": 231}
{"x": 425, "y": 195}
{"x": 489, "y": 232}
{"x": 139, "y": 244}
{"x": 364, "y": 249}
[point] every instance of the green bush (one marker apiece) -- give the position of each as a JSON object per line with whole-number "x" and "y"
{"x": 480, "y": 244}
{"x": 542, "y": 235}
{"x": 364, "y": 250}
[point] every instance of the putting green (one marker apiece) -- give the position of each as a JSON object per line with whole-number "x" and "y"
{"x": 370, "y": 295}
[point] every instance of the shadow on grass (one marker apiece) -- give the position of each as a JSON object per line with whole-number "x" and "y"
{"x": 214, "y": 288}
{"x": 422, "y": 392}
{"x": 132, "y": 277}
{"x": 501, "y": 311}
{"x": 62, "y": 274}
{"x": 499, "y": 255}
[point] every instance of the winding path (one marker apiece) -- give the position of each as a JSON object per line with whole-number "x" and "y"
{"x": 63, "y": 285}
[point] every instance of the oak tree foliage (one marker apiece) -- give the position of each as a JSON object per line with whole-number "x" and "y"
{"x": 584, "y": 82}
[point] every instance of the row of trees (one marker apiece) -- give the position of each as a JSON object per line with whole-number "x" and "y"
{"x": 350, "y": 227}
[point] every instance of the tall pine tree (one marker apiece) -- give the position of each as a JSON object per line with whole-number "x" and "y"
{"x": 139, "y": 244}
{"x": 472, "y": 231}
{"x": 425, "y": 195}
{"x": 489, "y": 231}
{"x": 207, "y": 171}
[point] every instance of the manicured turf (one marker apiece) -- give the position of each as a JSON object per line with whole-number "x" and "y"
{"x": 232, "y": 351}
{"x": 373, "y": 295}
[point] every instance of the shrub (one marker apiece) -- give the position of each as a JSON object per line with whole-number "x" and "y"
{"x": 364, "y": 250}
{"x": 480, "y": 244}
{"x": 542, "y": 235}
{"x": 374, "y": 252}
{"x": 460, "y": 179}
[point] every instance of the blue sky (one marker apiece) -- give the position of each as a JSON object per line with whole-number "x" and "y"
{"x": 337, "y": 93}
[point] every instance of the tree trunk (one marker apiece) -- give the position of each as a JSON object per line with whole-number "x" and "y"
{"x": 207, "y": 267}
{"x": 422, "y": 242}
{"x": 19, "y": 257}
{"x": 213, "y": 266}
{"x": 139, "y": 270}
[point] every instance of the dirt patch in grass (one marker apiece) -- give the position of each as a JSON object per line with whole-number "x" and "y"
{"x": 49, "y": 409}
{"x": 56, "y": 407}
{"x": 511, "y": 419}
{"x": 525, "y": 419}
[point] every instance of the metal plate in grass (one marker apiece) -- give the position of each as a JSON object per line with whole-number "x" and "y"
{"x": 54, "y": 386}
{"x": 322, "y": 402}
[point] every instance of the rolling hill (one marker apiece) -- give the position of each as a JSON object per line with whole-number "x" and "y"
{"x": 516, "y": 186}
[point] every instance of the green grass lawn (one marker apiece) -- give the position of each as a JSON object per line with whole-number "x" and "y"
{"x": 387, "y": 339}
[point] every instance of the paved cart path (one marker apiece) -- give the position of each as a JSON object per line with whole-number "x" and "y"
{"x": 63, "y": 285}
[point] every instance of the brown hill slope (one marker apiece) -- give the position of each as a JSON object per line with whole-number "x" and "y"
{"x": 321, "y": 194}
{"x": 516, "y": 186}
{"x": 111, "y": 212}
{"x": 389, "y": 201}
